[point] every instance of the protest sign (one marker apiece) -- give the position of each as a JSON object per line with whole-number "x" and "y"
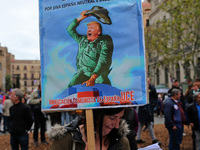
{"x": 88, "y": 65}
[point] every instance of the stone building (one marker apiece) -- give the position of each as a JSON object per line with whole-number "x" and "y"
{"x": 5, "y": 66}
{"x": 160, "y": 75}
{"x": 146, "y": 10}
{"x": 28, "y": 71}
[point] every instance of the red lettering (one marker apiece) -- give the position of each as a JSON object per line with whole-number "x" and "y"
{"x": 127, "y": 96}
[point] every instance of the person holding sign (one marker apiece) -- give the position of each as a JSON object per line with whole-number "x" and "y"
{"x": 94, "y": 53}
{"x": 110, "y": 132}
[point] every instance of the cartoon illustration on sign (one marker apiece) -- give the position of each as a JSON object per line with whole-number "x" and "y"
{"x": 92, "y": 54}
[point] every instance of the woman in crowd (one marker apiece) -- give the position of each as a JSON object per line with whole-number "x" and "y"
{"x": 188, "y": 94}
{"x": 110, "y": 132}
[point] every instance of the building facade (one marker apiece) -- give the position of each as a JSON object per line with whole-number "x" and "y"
{"x": 160, "y": 74}
{"x": 5, "y": 66}
{"x": 27, "y": 72}
{"x": 3, "y": 51}
{"x": 146, "y": 10}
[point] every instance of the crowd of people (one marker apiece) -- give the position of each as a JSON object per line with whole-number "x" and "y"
{"x": 114, "y": 128}
{"x": 181, "y": 109}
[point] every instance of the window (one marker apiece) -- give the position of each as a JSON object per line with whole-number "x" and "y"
{"x": 164, "y": 18}
{"x": 198, "y": 67}
{"x": 147, "y": 23}
{"x": 158, "y": 24}
{"x": 0, "y": 66}
{"x": 166, "y": 75}
{"x": 157, "y": 76}
{"x": 187, "y": 68}
{"x": 25, "y": 76}
{"x": 18, "y": 68}
{"x": 149, "y": 71}
{"x": 18, "y": 75}
{"x": 32, "y": 67}
{"x": 32, "y": 76}
{"x": 25, "y": 83}
{"x": 25, "y": 68}
{"x": 178, "y": 75}
{"x": 32, "y": 83}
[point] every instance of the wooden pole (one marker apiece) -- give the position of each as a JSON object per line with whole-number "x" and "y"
{"x": 90, "y": 129}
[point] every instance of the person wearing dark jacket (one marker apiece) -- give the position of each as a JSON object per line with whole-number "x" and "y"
{"x": 174, "y": 119}
{"x": 190, "y": 95}
{"x": 153, "y": 98}
{"x": 194, "y": 118}
{"x": 176, "y": 85}
{"x": 39, "y": 117}
{"x": 20, "y": 121}
{"x": 146, "y": 116}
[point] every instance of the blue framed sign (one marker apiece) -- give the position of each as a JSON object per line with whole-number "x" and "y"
{"x": 92, "y": 54}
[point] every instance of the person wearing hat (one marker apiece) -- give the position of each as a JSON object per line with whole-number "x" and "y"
{"x": 94, "y": 56}
{"x": 176, "y": 85}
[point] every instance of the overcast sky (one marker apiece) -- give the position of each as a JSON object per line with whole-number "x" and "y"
{"x": 19, "y": 28}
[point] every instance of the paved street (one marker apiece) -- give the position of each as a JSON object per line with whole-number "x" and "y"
{"x": 158, "y": 120}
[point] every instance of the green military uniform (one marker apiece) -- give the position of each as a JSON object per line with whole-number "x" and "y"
{"x": 93, "y": 57}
